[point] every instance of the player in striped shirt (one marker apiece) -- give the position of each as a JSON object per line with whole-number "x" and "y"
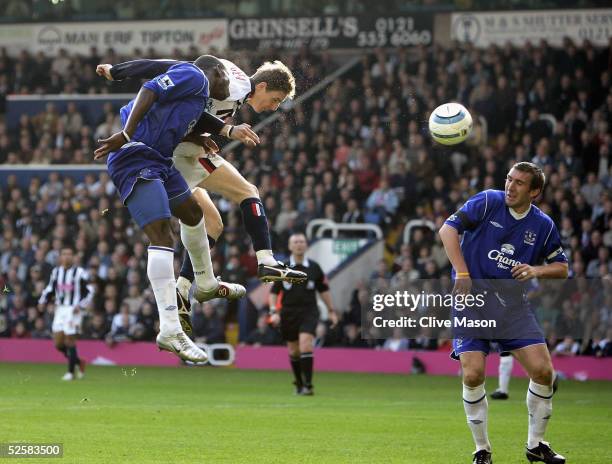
{"x": 69, "y": 286}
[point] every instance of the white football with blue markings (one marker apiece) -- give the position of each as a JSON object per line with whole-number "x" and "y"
{"x": 450, "y": 124}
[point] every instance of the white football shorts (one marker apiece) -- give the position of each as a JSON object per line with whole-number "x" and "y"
{"x": 67, "y": 319}
{"x": 193, "y": 164}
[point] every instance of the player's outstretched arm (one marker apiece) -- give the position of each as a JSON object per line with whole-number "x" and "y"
{"x": 242, "y": 133}
{"x": 143, "y": 103}
{"x": 209, "y": 123}
{"x": 135, "y": 69}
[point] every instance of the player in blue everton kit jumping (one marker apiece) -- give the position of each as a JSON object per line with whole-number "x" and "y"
{"x": 265, "y": 90}
{"x": 204, "y": 169}
{"x": 506, "y": 237}
{"x": 141, "y": 167}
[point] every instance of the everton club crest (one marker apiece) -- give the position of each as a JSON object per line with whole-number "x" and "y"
{"x": 530, "y": 237}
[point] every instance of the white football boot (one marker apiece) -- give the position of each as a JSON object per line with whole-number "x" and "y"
{"x": 182, "y": 346}
{"x": 68, "y": 376}
{"x": 222, "y": 290}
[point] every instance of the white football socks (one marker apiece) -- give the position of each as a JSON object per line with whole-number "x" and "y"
{"x": 505, "y": 372}
{"x": 539, "y": 406}
{"x": 265, "y": 257}
{"x": 196, "y": 242}
{"x": 476, "y": 409}
{"x": 160, "y": 270}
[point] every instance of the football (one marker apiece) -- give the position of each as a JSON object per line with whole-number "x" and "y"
{"x": 450, "y": 123}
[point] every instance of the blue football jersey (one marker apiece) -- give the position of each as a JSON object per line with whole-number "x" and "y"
{"x": 182, "y": 95}
{"x": 494, "y": 241}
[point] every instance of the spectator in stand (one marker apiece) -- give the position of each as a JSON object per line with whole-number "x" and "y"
{"x": 95, "y": 328}
{"x": 208, "y": 326}
{"x": 353, "y": 214}
{"x": 263, "y": 334}
{"x": 567, "y": 347}
{"x": 397, "y": 342}
{"x": 402, "y": 278}
{"x": 40, "y": 329}
{"x": 382, "y": 203}
{"x": 352, "y": 337}
{"x": 147, "y": 323}
{"x": 121, "y": 326}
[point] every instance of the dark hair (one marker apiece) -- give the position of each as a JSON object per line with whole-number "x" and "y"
{"x": 537, "y": 176}
{"x": 207, "y": 62}
{"x": 277, "y": 77}
{"x": 298, "y": 232}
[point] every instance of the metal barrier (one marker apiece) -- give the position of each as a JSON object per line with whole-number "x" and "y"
{"x": 315, "y": 223}
{"x": 416, "y": 223}
{"x": 550, "y": 119}
{"x": 335, "y": 227}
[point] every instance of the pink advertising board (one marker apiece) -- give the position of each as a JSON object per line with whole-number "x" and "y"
{"x": 275, "y": 358}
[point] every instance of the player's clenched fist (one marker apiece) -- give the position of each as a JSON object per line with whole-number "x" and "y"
{"x": 523, "y": 272}
{"x": 104, "y": 70}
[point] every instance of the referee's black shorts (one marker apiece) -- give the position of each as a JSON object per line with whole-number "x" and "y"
{"x": 297, "y": 320}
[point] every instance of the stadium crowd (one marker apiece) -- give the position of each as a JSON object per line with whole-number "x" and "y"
{"x": 357, "y": 152}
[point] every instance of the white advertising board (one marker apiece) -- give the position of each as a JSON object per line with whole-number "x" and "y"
{"x": 123, "y": 37}
{"x": 486, "y": 28}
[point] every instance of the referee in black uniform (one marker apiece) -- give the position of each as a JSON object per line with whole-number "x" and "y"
{"x": 69, "y": 286}
{"x": 295, "y": 306}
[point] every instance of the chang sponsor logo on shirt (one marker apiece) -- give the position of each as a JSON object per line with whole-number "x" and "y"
{"x": 501, "y": 257}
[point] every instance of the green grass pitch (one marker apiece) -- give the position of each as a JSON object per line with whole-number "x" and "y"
{"x": 208, "y": 415}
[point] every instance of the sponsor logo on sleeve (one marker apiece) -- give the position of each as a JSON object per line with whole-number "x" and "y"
{"x": 165, "y": 82}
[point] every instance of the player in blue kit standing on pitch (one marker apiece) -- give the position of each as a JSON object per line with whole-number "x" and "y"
{"x": 141, "y": 167}
{"x": 506, "y": 237}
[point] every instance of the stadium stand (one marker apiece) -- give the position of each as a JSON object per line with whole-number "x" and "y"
{"x": 357, "y": 152}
